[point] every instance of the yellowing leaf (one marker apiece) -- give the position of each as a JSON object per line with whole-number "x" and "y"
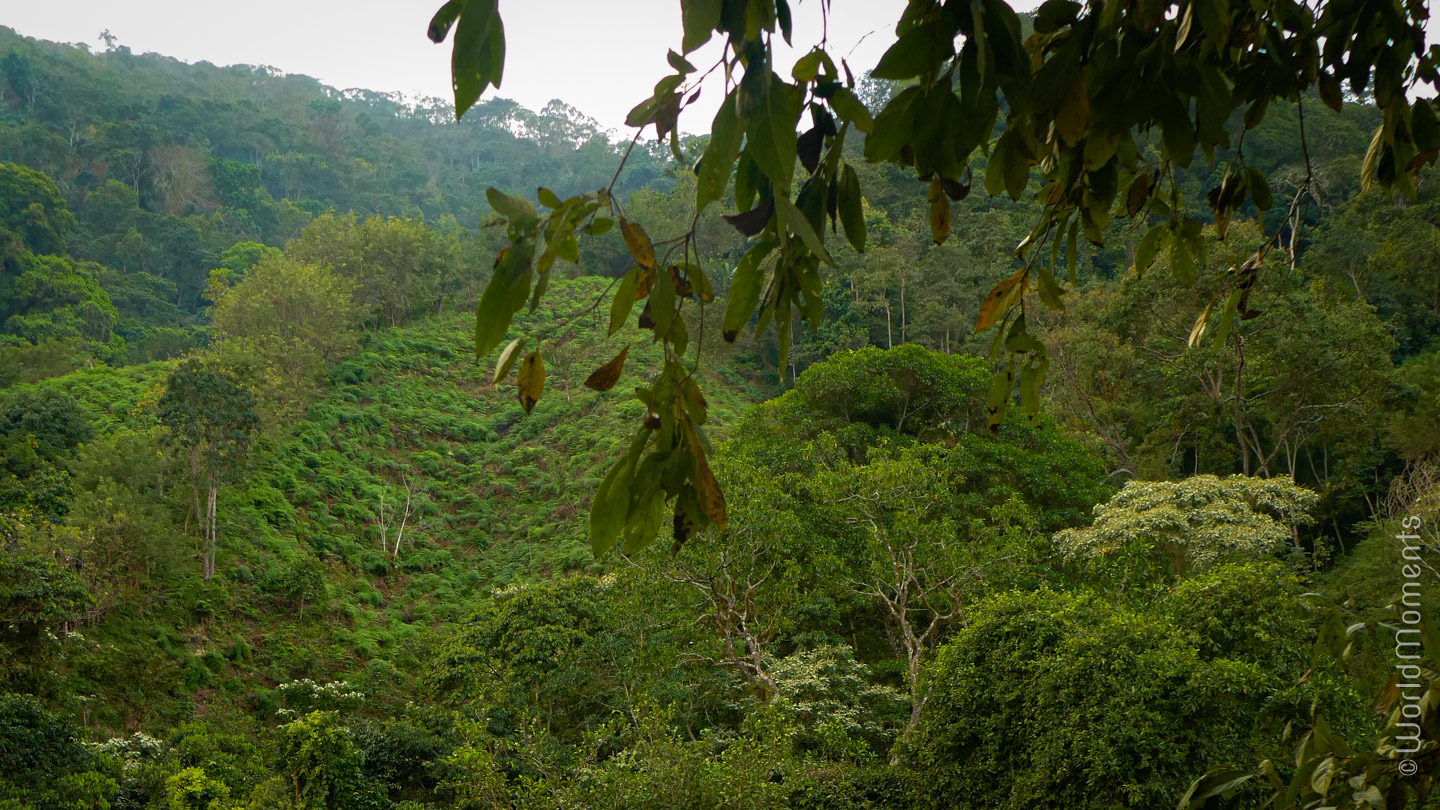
{"x": 531, "y": 380}
{"x": 638, "y": 243}
{"x": 605, "y": 377}
{"x": 999, "y": 299}
{"x": 939, "y": 213}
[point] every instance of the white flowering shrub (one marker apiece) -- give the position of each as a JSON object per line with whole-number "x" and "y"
{"x": 305, "y": 696}
{"x": 836, "y": 704}
{"x": 1183, "y": 527}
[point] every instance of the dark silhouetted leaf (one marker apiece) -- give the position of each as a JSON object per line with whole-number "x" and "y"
{"x": 753, "y": 221}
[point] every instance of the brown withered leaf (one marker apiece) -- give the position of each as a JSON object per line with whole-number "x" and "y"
{"x": 682, "y": 284}
{"x": 605, "y": 377}
{"x": 1138, "y": 194}
{"x": 683, "y": 528}
{"x": 712, "y": 500}
{"x": 643, "y": 282}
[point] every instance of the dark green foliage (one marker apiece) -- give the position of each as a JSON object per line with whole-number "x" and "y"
{"x": 1067, "y": 700}
{"x": 910, "y": 394}
{"x": 32, "y": 209}
{"x": 38, "y": 748}
{"x": 320, "y": 762}
{"x": 49, "y": 416}
{"x": 38, "y": 598}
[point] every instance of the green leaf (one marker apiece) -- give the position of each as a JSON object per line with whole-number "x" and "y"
{"x": 1150, "y": 245}
{"x": 849, "y": 107}
{"x": 1182, "y": 263}
{"x": 919, "y": 52}
{"x": 1032, "y": 376}
{"x": 546, "y": 197}
{"x": 771, "y": 134}
{"x": 807, "y": 67}
{"x": 998, "y": 400}
{"x": 599, "y": 225}
{"x": 624, "y": 300}
{"x": 507, "y": 359}
{"x": 745, "y": 289}
{"x": 720, "y": 154}
{"x": 568, "y": 249}
{"x": 1215, "y": 783}
{"x": 477, "y": 57}
{"x": 1050, "y": 292}
{"x": 444, "y": 18}
{"x": 1227, "y": 319}
{"x": 662, "y": 301}
{"x": 1424, "y": 126}
{"x": 894, "y": 126}
{"x": 504, "y": 295}
{"x": 796, "y": 221}
{"x": 1072, "y": 241}
{"x": 1260, "y": 190}
{"x": 609, "y": 507}
{"x": 680, "y": 63}
{"x": 1017, "y": 170}
{"x": 518, "y": 211}
{"x": 699, "y": 18}
{"x": 1178, "y": 135}
{"x": 852, "y": 214}
{"x": 1329, "y": 87}
{"x": 700, "y": 282}
{"x": 995, "y": 167}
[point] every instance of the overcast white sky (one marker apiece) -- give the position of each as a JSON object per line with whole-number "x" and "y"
{"x": 601, "y": 57}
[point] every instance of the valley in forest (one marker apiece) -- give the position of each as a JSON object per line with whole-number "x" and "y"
{"x": 274, "y": 537}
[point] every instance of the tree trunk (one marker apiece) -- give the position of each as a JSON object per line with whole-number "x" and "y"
{"x": 210, "y": 531}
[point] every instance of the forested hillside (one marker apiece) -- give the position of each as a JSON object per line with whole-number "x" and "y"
{"x": 273, "y": 537}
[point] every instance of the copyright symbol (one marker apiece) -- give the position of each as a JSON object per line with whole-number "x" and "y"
{"x": 1408, "y": 767}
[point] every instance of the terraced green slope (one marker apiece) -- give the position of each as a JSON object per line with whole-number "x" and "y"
{"x": 303, "y": 586}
